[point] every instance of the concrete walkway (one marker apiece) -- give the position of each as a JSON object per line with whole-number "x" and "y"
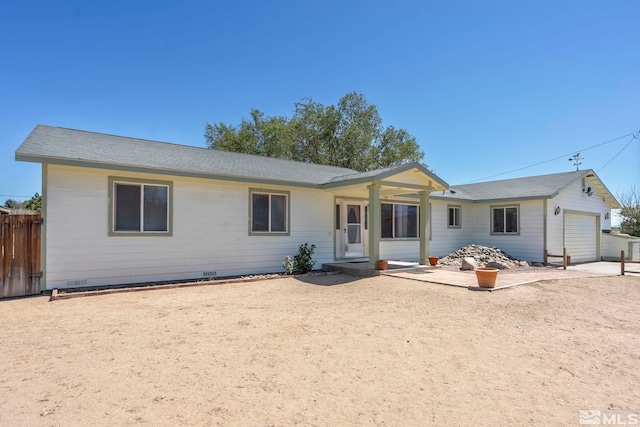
{"x": 505, "y": 279}
{"x": 606, "y": 267}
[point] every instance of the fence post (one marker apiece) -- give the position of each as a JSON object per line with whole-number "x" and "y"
{"x": 564, "y": 258}
{"x": 622, "y": 263}
{"x": 546, "y": 257}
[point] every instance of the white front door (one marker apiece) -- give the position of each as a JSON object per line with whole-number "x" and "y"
{"x": 353, "y": 229}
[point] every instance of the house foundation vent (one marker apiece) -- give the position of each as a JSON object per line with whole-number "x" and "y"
{"x": 76, "y": 283}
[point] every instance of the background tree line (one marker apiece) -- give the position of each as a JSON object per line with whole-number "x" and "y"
{"x": 33, "y": 205}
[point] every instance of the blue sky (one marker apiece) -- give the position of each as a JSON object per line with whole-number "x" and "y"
{"x": 486, "y": 87}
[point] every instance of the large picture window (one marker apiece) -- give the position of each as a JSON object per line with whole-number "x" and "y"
{"x": 399, "y": 221}
{"x": 140, "y": 207}
{"x": 505, "y": 220}
{"x": 269, "y": 212}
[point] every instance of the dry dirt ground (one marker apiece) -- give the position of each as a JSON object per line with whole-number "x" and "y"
{"x": 374, "y": 351}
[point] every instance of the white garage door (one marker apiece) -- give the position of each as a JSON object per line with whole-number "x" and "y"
{"x": 580, "y": 237}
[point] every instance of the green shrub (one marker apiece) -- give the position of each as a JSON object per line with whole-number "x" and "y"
{"x": 302, "y": 262}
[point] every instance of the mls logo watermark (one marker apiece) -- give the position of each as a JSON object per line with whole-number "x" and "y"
{"x": 596, "y": 417}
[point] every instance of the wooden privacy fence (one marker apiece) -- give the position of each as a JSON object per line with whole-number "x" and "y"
{"x": 20, "y": 270}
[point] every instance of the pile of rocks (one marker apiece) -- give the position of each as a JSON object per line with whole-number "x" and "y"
{"x": 472, "y": 256}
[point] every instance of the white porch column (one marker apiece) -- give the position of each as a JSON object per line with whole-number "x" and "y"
{"x": 425, "y": 220}
{"x": 375, "y": 221}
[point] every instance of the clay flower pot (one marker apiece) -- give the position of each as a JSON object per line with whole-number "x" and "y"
{"x": 433, "y": 260}
{"x": 486, "y": 277}
{"x": 382, "y": 264}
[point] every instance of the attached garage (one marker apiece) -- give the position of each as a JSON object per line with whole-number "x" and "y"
{"x": 581, "y": 237}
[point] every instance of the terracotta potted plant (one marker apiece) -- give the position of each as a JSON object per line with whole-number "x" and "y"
{"x": 382, "y": 264}
{"x": 486, "y": 277}
{"x": 433, "y": 260}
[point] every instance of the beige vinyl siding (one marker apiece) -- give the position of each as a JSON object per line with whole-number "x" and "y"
{"x": 210, "y": 222}
{"x": 527, "y": 244}
{"x": 400, "y": 250}
{"x": 444, "y": 239}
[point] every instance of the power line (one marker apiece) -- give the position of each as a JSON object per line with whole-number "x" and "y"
{"x": 555, "y": 158}
{"x": 634, "y": 136}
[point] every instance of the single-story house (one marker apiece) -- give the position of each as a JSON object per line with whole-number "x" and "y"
{"x": 124, "y": 210}
{"x": 4, "y": 211}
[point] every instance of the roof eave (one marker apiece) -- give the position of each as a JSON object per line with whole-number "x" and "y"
{"x": 493, "y": 200}
{"x": 161, "y": 171}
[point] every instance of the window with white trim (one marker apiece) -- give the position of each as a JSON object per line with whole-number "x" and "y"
{"x": 269, "y": 212}
{"x": 454, "y": 216}
{"x": 399, "y": 221}
{"x": 140, "y": 208}
{"x": 504, "y": 220}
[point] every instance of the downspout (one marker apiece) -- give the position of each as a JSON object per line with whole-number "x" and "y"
{"x": 544, "y": 228}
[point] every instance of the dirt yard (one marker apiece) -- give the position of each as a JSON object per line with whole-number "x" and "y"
{"x": 376, "y": 351}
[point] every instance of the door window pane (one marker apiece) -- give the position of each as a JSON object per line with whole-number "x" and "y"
{"x": 353, "y": 224}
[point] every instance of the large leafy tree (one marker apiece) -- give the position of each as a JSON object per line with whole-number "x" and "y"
{"x": 349, "y": 134}
{"x": 630, "y": 212}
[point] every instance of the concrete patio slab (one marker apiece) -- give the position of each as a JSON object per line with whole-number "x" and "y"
{"x": 467, "y": 279}
{"x": 504, "y": 280}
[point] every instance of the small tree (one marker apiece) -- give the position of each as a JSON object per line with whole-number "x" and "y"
{"x": 34, "y": 204}
{"x": 630, "y": 212}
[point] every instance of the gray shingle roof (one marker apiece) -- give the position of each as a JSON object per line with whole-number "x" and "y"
{"x": 48, "y": 144}
{"x": 531, "y": 187}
